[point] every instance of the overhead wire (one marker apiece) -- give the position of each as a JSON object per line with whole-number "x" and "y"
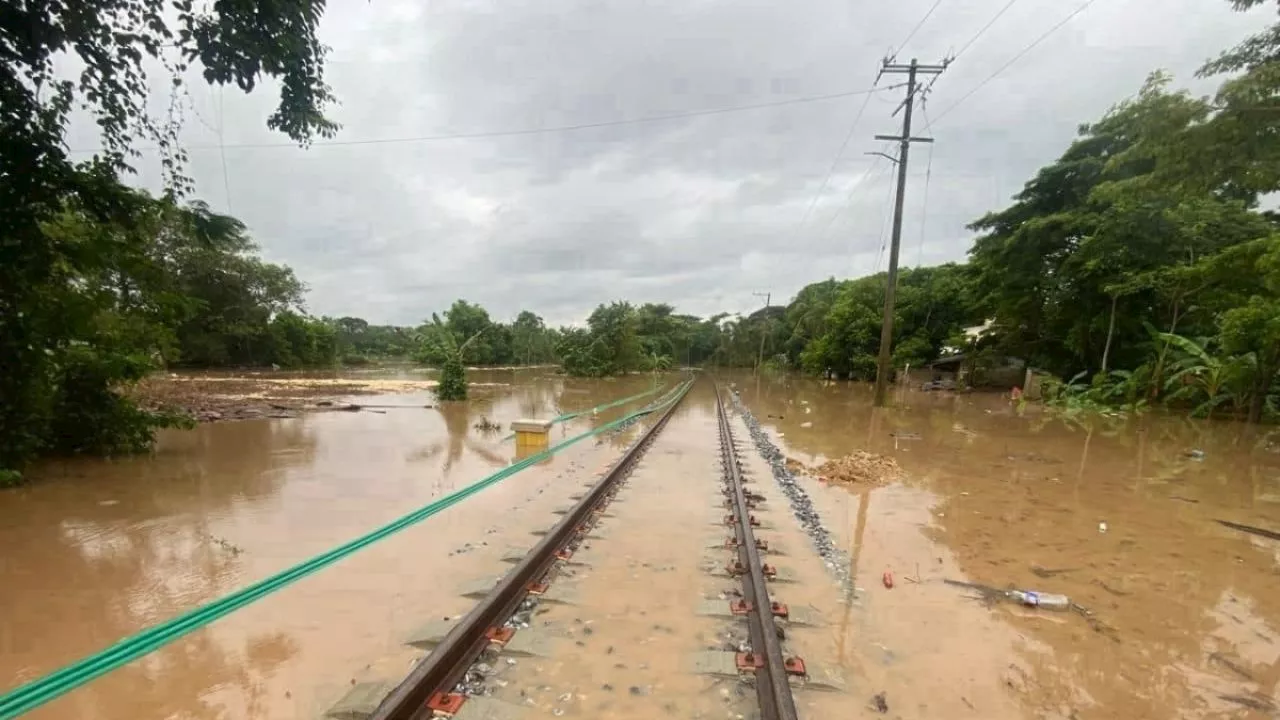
{"x": 984, "y": 29}
{"x": 543, "y": 130}
{"x": 928, "y": 175}
{"x": 969, "y": 43}
{"x": 919, "y": 25}
{"x": 854, "y": 188}
{"x": 222, "y": 151}
{"x": 1018, "y": 56}
{"x": 826, "y": 180}
{"x": 884, "y": 225}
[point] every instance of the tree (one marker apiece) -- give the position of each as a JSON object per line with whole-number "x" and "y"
{"x": 358, "y": 341}
{"x": 295, "y": 340}
{"x": 464, "y": 321}
{"x": 530, "y": 339}
{"x": 464, "y": 326}
{"x": 616, "y": 344}
{"x": 1102, "y": 240}
{"x": 210, "y": 259}
{"x": 1257, "y": 50}
{"x": 234, "y": 43}
{"x": 806, "y": 316}
{"x": 1253, "y": 328}
{"x": 834, "y": 327}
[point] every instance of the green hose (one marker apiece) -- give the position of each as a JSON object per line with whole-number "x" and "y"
{"x": 569, "y": 416}
{"x": 608, "y": 405}
{"x": 38, "y": 692}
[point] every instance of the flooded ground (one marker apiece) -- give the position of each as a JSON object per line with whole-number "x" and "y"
{"x": 1118, "y": 514}
{"x": 620, "y": 649}
{"x": 96, "y": 550}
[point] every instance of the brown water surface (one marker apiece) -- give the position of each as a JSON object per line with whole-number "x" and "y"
{"x": 1184, "y": 614}
{"x": 95, "y": 550}
{"x": 1117, "y": 513}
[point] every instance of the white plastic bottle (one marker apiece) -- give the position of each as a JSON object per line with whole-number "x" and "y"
{"x": 1046, "y": 601}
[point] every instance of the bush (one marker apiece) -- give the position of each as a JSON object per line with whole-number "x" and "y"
{"x": 88, "y": 415}
{"x": 453, "y": 380}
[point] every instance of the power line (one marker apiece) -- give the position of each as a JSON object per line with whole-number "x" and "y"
{"x": 542, "y": 130}
{"x": 963, "y": 48}
{"x": 853, "y": 189}
{"x": 986, "y": 27}
{"x": 885, "y": 213}
{"x": 928, "y": 174}
{"x": 1016, "y": 58}
{"x": 845, "y": 144}
{"x": 919, "y": 25}
{"x": 835, "y": 162}
{"x": 222, "y": 151}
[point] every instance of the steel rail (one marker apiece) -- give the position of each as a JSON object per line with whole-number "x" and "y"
{"x": 431, "y": 682}
{"x": 773, "y": 689}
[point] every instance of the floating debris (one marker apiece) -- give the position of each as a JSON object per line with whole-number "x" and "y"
{"x": 1250, "y": 529}
{"x": 1044, "y": 572}
{"x": 1232, "y": 666}
{"x": 1253, "y": 701}
{"x": 1118, "y": 593}
{"x": 986, "y": 593}
{"x": 225, "y": 544}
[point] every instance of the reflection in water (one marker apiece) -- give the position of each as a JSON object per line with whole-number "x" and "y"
{"x": 457, "y": 423}
{"x": 97, "y": 550}
{"x": 855, "y": 554}
{"x": 1018, "y": 501}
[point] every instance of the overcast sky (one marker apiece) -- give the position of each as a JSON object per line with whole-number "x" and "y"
{"x": 700, "y": 211}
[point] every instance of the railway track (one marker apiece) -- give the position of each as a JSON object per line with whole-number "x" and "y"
{"x": 765, "y": 658}
{"x": 440, "y": 685}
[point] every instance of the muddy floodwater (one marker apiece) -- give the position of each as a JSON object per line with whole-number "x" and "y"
{"x": 1118, "y": 514}
{"x": 1179, "y": 617}
{"x": 96, "y": 550}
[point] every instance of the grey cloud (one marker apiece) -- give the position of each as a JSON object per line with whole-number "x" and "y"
{"x": 699, "y": 211}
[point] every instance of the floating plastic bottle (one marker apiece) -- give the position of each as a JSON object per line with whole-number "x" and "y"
{"x": 1046, "y": 601}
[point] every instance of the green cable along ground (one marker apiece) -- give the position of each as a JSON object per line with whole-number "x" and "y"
{"x": 38, "y": 692}
{"x": 608, "y": 405}
{"x": 569, "y": 416}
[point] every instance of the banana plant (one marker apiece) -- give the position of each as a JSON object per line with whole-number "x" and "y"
{"x": 1198, "y": 375}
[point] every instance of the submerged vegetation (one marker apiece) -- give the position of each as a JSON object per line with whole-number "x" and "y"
{"x": 1140, "y": 263}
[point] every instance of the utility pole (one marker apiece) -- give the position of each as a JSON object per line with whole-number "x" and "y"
{"x": 763, "y": 319}
{"x": 885, "y": 366}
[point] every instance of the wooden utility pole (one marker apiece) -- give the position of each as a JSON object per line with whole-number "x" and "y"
{"x": 885, "y": 366}
{"x": 763, "y": 319}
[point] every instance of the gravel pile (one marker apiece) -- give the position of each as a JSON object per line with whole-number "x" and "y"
{"x": 801, "y": 505}
{"x": 859, "y": 467}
